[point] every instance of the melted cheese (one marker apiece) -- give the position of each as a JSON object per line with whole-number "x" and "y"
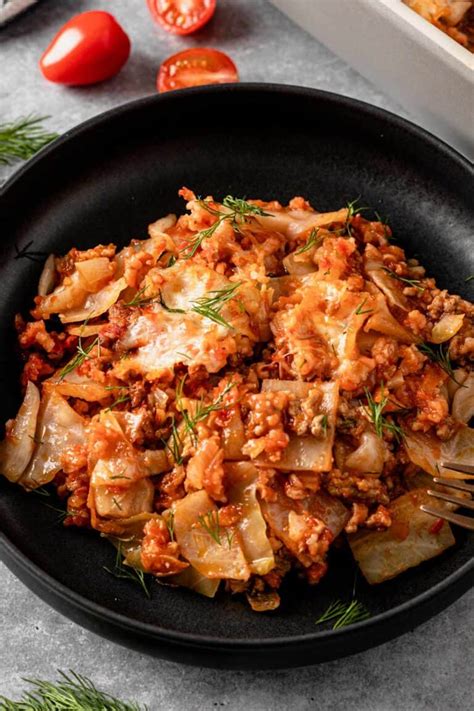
{"x": 161, "y": 338}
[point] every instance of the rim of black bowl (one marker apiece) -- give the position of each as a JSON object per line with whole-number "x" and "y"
{"x": 459, "y": 579}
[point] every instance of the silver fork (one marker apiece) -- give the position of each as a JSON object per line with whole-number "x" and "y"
{"x": 458, "y": 519}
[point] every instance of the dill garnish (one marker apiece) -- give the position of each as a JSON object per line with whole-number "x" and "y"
{"x": 72, "y": 692}
{"x": 36, "y": 440}
{"x": 344, "y": 613}
{"x": 201, "y": 411}
{"x": 169, "y": 520}
{"x": 21, "y": 139}
{"x": 375, "y": 412}
{"x": 312, "y": 241}
{"x": 360, "y": 309}
{"x": 352, "y": 210}
{"x": 139, "y": 298}
{"x": 211, "y": 524}
{"x": 122, "y": 571}
{"x": 469, "y": 278}
{"x": 239, "y": 211}
{"x": 411, "y": 282}
{"x": 439, "y": 355}
{"x": 121, "y": 398}
{"x": 81, "y": 356}
{"x": 116, "y": 503}
{"x": 210, "y": 306}
{"x": 176, "y": 446}
{"x": 26, "y": 253}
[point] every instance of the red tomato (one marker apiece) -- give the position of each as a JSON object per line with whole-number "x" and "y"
{"x": 195, "y": 67}
{"x": 89, "y": 48}
{"x": 181, "y": 17}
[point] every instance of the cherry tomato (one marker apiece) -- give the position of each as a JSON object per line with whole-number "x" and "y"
{"x": 89, "y": 48}
{"x": 181, "y": 17}
{"x": 195, "y": 67}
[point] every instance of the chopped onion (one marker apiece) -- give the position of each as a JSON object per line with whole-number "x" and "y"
{"x": 95, "y": 273}
{"x": 233, "y": 438}
{"x": 369, "y": 457}
{"x": 463, "y": 401}
{"x": 409, "y": 541}
{"x": 17, "y": 448}
{"x": 427, "y": 452}
{"x": 446, "y": 328}
{"x": 242, "y": 480}
{"x": 95, "y": 304}
{"x": 194, "y": 580}
{"x": 211, "y": 558}
{"x": 59, "y": 428}
{"x": 122, "y": 502}
{"x": 47, "y": 278}
{"x": 296, "y": 266}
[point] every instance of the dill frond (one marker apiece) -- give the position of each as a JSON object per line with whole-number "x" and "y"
{"x": 211, "y": 524}
{"x": 360, "y": 309}
{"x": 312, "y": 241}
{"x": 21, "y": 139}
{"x": 380, "y": 422}
{"x": 344, "y": 613}
{"x": 126, "y": 572}
{"x": 239, "y": 211}
{"x": 81, "y": 356}
{"x": 210, "y": 306}
{"x": 71, "y": 692}
{"x": 439, "y": 355}
{"x": 411, "y": 282}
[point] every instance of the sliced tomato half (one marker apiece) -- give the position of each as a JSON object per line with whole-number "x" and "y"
{"x": 196, "y": 67}
{"x": 182, "y": 17}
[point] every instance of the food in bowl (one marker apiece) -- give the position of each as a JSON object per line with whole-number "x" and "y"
{"x": 249, "y": 386}
{"x": 454, "y": 17}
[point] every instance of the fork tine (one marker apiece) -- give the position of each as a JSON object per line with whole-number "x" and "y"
{"x": 463, "y": 468}
{"x": 463, "y": 503}
{"x": 463, "y": 521}
{"x": 455, "y": 484}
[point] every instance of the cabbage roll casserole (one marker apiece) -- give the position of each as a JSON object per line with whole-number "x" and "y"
{"x": 247, "y": 387}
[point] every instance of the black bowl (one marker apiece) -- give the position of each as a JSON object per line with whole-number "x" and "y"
{"x": 105, "y": 182}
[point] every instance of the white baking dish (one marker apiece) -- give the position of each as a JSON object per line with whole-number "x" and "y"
{"x": 429, "y": 73}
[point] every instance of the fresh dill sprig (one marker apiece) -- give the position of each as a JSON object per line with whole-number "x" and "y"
{"x": 126, "y": 572}
{"x": 360, "y": 309}
{"x": 62, "y": 514}
{"x": 344, "y": 613}
{"x": 380, "y": 422}
{"x": 201, "y": 411}
{"x": 469, "y": 278}
{"x": 239, "y": 211}
{"x": 211, "y": 524}
{"x": 169, "y": 520}
{"x": 21, "y": 139}
{"x": 352, "y": 209}
{"x": 125, "y": 397}
{"x": 210, "y": 306}
{"x": 439, "y": 355}
{"x": 72, "y": 692}
{"x": 312, "y": 241}
{"x": 384, "y": 222}
{"x": 81, "y": 356}
{"x": 41, "y": 491}
{"x": 411, "y": 282}
{"x": 139, "y": 298}
{"x": 176, "y": 446}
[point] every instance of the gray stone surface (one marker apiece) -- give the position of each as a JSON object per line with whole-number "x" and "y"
{"x": 429, "y": 668}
